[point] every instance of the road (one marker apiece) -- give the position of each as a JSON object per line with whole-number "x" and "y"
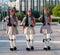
{"x": 38, "y": 45}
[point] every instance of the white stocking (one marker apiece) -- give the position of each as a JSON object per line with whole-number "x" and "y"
{"x": 14, "y": 41}
{"x": 31, "y": 40}
{"x": 11, "y": 41}
{"x": 28, "y": 42}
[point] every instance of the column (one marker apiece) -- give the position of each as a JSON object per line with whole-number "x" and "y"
{"x": 25, "y": 5}
{"x": 51, "y": 2}
{"x": 55, "y": 2}
{"x": 58, "y": 1}
{"x": 20, "y": 5}
{"x": 33, "y": 4}
{"x": 43, "y": 4}
{"x": 39, "y": 6}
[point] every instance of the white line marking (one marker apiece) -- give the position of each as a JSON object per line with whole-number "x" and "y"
{"x": 57, "y": 42}
{"x": 37, "y": 34}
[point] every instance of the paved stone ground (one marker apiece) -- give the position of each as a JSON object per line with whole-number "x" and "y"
{"x": 21, "y": 45}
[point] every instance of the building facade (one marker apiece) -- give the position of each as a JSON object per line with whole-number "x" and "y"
{"x": 23, "y": 5}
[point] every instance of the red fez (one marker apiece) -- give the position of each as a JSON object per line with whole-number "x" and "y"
{"x": 29, "y": 11}
{"x": 11, "y": 10}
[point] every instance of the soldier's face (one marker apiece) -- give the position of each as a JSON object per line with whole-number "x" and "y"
{"x": 12, "y": 13}
{"x": 45, "y": 11}
{"x": 29, "y": 13}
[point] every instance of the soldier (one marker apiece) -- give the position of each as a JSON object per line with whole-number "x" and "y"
{"x": 28, "y": 25}
{"x": 12, "y": 22}
{"x": 46, "y": 28}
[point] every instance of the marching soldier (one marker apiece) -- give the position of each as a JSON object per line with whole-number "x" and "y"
{"x": 28, "y": 26}
{"x": 46, "y": 28}
{"x": 12, "y": 22}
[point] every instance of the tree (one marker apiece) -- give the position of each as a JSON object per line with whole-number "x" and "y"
{"x": 56, "y": 10}
{"x": 20, "y": 15}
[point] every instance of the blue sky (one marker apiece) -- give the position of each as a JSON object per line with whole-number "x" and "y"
{"x": 3, "y": 0}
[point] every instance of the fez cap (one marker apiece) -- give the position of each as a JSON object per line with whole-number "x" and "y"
{"x": 29, "y": 11}
{"x": 11, "y": 11}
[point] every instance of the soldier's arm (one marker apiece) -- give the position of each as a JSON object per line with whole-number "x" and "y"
{"x": 40, "y": 17}
{"x": 33, "y": 21}
{"x": 17, "y": 20}
{"x": 6, "y": 19}
{"x": 49, "y": 19}
{"x": 23, "y": 21}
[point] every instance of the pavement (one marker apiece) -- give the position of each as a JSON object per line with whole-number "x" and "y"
{"x": 38, "y": 45}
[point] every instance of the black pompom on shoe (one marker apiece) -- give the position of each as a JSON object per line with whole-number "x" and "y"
{"x": 45, "y": 48}
{"x": 28, "y": 49}
{"x": 11, "y": 49}
{"x": 49, "y": 48}
{"x": 15, "y": 48}
{"x": 32, "y": 48}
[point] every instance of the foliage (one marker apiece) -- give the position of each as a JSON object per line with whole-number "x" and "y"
{"x": 56, "y": 11}
{"x": 20, "y": 15}
{"x": 36, "y": 14}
